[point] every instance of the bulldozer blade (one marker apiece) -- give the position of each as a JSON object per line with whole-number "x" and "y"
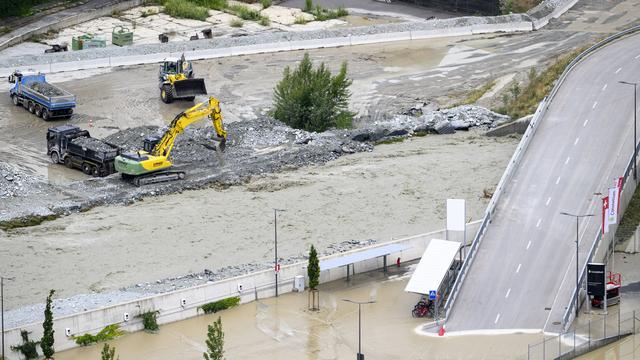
{"x": 189, "y": 87}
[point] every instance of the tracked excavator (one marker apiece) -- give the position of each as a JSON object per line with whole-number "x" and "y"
{"x": 153, "y": 164}
{"x": 177, "y": 81}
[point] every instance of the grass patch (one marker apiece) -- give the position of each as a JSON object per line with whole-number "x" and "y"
{"x": 244, "y": 12}
{"x": 264, "y": 21}
{"x": 518, "y": 6}
{"x": 223, "y": 304}
{"x": 148, "y": 13}
{"x": 110, "y": 332}
{"x": 26, "y": 221}
{"x": 185, "y": 10}
{"x": 237, "y": 23}
{"x": 631, "y": 218}
{"x": 150, "y": 320}
{"x": 519, "y": 102}
{"x": 476, "y": 94}
{"x": 219, "y": 5}
{"x": 322, "y": 14}
{"x": 265, "y": 3}
{"x": 392, "y": 140}
{"x": 300, "y": 20}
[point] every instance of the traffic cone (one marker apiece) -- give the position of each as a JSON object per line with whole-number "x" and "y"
{"x": 441, "y": 331}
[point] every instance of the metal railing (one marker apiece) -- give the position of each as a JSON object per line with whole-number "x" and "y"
{"x": 512, "y": 166}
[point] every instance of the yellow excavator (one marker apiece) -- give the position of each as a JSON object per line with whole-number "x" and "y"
{"x": 153, "y": 164}
{"x": 177, "y": 81}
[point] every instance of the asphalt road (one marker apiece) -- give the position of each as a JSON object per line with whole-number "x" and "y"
{"x": 524, "y": 272}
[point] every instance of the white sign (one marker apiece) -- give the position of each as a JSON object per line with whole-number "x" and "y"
{"x": 612, "y": 211}
{"x": 456, "y": 214}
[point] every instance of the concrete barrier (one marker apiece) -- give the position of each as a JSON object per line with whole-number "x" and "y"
{"x": 183, "y": 304}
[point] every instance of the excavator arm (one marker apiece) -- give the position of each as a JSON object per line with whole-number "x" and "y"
{"x": 210, "y": 108}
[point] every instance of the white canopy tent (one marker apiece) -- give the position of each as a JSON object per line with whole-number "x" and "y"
{"x": 433, "y": 266}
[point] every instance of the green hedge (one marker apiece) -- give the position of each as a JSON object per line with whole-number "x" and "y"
{"x": 223, "y": 304}
{"x": 110, "y": 332}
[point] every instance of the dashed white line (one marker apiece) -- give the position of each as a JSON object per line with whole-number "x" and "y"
{"x": 594, "y": 105}
{"x": 518, "y": 269}
{"x": 508, "y": 292}
{"x": 558, "y": 180}
{"x": 538, "y": 223}
{"x": 604, "y": 87}
{"x": 529, "y": 244}
{"x": 637, "y": 57}
{"x": 585, "y": 123}
{"x": 548, "y": 200}
{"x": 567, "y": 161}
{"x": 497, "y": 318}
{"x": 617, "y": 71}
{"x": 576, "y": 142}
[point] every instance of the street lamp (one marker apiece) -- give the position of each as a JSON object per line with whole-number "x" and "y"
{"x": 577, "y": 239}
{"x": 2, "y": 279}
{"x": 275, "y": 230}
{"x": 635, "y": 111}
{"x": 360, "y": 355}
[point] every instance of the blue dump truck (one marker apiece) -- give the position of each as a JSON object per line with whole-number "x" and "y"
{"x": 39, "y": 97}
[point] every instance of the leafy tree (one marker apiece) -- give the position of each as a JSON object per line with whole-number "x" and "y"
{"x": 215, "y": 341}
{"x": 313, "y": 99}
{"x": 313, "y": 269}
{"x": 47, "y": 336}
{"x": 29, "y": 348}
{"x": 108, "y": 353}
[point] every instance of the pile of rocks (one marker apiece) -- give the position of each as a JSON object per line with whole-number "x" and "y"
{"x": 92, "y": 144}
{"x": 14, "y": 182}
{"x": 46, "y": 89}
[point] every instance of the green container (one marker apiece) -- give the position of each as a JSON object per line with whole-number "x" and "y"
{"x": 77, "y": 42}
{"x": 94, "y": 43}
{"x": 121, "y": 36}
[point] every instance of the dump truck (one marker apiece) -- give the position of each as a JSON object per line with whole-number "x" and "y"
{"x": 40, "y": 97}
{"x": 176, "y": 81}
{"x": 75, "y": 148}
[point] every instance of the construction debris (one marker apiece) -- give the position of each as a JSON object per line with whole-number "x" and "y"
{"x": 45, "y": 89}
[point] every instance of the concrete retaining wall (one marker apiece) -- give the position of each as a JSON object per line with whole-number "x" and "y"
{"x": 254, "y": 286}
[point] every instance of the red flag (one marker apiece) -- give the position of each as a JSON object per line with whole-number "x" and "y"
{"x": 605, "y": 208}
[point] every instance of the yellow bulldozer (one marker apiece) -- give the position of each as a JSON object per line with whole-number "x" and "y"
{"x": 177, "y": 81}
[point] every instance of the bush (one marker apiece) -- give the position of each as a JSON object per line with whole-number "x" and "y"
{"x": 185, "y": 10}
{"x": 110, "y": 332}
{"x": 313, "y": 99}
{"x": 212, "y": 4}
{"x": 149, "y": 320}
{"x": 108, "y": 353}
{"x": 301, "y": 20}
{"x": 223, "y": 304}
{"x": 265, "y": 3}
{"x": 264, "y": 21}
{"x": 29, "y": 348}
{"x": 308, "y": 5}
{"x": 244, "y": 12}
{"x": 236, "y": 23}
{"x": 322, "y": 14}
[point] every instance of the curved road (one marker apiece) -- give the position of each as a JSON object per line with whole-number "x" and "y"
{"x": 524, "y": 272}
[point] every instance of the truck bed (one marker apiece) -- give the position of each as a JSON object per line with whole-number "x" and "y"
{"x": 94, "y": 149}
{"x": 52, "y": 95}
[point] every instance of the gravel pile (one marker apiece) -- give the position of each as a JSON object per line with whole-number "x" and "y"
{"x": 16, "y": 183}
{"x": 45, "y": 89}
{"x": 92, "y": 144}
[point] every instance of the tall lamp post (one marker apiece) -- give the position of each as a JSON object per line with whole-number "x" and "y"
{"x": 275, "y": 231}
{"x": 360, "y": 355}
{"x": 2, "y": 279}
{"x": 635, "y": 112}
{"x": 577, "y": 217}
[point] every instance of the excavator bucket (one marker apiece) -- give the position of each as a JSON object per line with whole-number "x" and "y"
{"x": 189, "y": 87}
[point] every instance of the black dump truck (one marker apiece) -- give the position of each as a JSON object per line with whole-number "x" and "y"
{"x": 74, "y": 147}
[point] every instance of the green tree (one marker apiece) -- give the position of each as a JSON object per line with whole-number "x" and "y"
{"x": 313, "y": 269}
{"x": 215, "y": 341}
{"x": 108, "y": 353}
{"x": 47, "y": 336}
{"x": 313, "y": 99}
{"x": 29, "y": 348}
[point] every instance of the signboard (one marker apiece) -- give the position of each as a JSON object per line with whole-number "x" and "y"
{"x": 456, "y": 214}
{"x": 277, "y": 268}
{"x": 605, "y": 218}
{"x": 595, "y": 279}
{"x": 612, "y": 212}
{"x": 432, "y": 295}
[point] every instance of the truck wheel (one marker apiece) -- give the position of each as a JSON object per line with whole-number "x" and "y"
{"x": 86, "y": 168}
{"x": 166, "y": 94}
{"x": 31, "y": 107}
{"x": 38, "y": 111}
{"x": 55, "y": 158}
{"x": 45, "y": 114}
{"x": 95, "y": 172}
{"x": 68, "y": 163}
{"x": 15, "y": 100}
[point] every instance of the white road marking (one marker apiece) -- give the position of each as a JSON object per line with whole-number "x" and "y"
{"x": 529, "y": 244}
{"x": 558, "y": 180}
{"x": 518, "y": 269}
{"x": 594, "y": 105}
{"x": 508, "y": 292}
{"x": 548, "y": 201}
{"x": 538, "y": 223}
{"x": 637, "y": 57}
{"x": 604, "y": 87}
{"x": 585, "y": 123}
{"x": 617, "y": 71}
{"x": 567, "y": 161}
{"x": 576, "y": 142}
{"x": 497, "y": 318}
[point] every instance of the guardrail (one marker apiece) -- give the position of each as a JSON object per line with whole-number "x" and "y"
{"x": 511, "y": 167}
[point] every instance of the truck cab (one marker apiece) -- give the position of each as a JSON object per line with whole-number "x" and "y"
{"x": 58, "y": 139}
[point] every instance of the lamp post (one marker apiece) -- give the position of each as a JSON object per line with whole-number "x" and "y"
{"x": 577, "y": 217}
{"x": 275, "y": 231}
{"x": 635, "y": 112}
{"x": 2, "y": 279}
{"x": 360, "y": 355}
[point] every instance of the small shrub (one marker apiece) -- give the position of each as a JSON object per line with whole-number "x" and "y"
{"x": 212, "y": 4}
{"x": 308, "y": 5}
{"x": 110, "y": 332}
{"x": 322, "y": 14}
{"x": 236, "y": 23}
{"x": 301, "y": 20}
{"x": 245, "y": 13}
{"x": 223, "y": 304}
{"x": 264, "y": 21}
{"x": 215, "y": 341}
{"x": 265, "y": 3}
{"x": 185, "y": 10}
{"x": 108, "y": 353}
{"x": 29, "y": 348}
{"x": 149, "y": 320}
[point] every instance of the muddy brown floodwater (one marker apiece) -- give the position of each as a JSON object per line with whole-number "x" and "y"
{"x": 283, "y": 328}
{"x": 396, "y": 190}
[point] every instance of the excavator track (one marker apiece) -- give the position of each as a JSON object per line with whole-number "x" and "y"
{"x": 158, "y": 177}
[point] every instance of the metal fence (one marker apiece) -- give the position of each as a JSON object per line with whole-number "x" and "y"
{"x": 600, "y": 330}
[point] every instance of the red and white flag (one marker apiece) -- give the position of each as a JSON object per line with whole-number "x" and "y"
{"x": 605, "y": 210}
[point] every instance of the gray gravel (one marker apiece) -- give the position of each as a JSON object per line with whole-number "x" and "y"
{"x": 45, "y": 89}
{"x": 18, "y": 183}
{"x": 92, "y": 144}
